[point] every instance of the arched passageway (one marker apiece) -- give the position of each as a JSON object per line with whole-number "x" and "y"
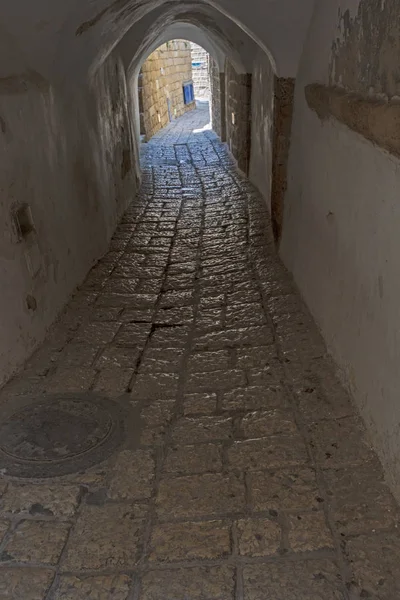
{"x": 240, "y": 450}
{"x": 183, "y": 431}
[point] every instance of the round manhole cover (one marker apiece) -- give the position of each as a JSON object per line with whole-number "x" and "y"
{"x": 60, "y": 435}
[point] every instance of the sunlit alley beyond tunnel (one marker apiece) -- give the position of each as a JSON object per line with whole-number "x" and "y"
{"x": 180, "y": 431}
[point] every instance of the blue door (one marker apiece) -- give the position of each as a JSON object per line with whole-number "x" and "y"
{"x": 188, "y": 93}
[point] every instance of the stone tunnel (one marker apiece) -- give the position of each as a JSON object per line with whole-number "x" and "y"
{"x": 199, "y": 330}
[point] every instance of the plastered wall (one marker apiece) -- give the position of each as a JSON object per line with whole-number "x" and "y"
{"x": 262, "y": 125}
{"x": 342, "y": 212}
{"x": 162, "y": 76}
{"x": 67, "y": 158}
{"x": 271, "y": 120}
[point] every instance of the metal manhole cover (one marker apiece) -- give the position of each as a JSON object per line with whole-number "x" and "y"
{"x": 60, "y": 434}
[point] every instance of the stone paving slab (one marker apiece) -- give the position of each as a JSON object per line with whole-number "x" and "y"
{"x": 245, "y": 472}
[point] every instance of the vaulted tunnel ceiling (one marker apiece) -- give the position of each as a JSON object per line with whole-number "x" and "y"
{"x": 65, "y": 39}
{"x": 220, "y": 36}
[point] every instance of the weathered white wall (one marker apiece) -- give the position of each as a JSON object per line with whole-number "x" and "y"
{"x": 341, "y": 241}
{"x": 68, "y": 154}
{"x": 262, "y": 107}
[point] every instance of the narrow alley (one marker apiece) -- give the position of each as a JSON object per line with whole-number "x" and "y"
{"x": 189, "y": 437}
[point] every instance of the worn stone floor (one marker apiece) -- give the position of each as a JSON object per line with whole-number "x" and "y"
{"x": 245, "y": 472}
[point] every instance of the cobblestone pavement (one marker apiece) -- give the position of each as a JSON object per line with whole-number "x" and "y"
{"x": 248, "y": 474}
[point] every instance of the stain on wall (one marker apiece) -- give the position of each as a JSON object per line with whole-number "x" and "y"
{"x": 374, "y": 118}
{"x": 366, "y": 51}
{"x": 86, "y": 25}
{"x": 364, "y": 74}
{"x": 114, "y": 121}
{"x": 19, "y": 83}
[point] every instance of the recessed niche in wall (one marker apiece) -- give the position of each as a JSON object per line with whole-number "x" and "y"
{"x": 23, "y": 221}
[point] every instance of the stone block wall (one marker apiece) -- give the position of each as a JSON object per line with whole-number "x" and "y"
{"x": 201, "y": 78}
{"x": 160, "y": 86}
{"x": 262, "y": 125}
{"x": 238, "y": 115}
